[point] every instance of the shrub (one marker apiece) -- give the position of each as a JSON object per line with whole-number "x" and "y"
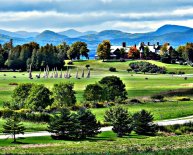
{"x": 134, "y": 101}
{"x": 146, "y": 67}
{"x": 173, "y": 61}
{"x": 87, "y": 66}
{"x": 112, "y": 69}
{"x": 171, "y": 72}
{"x": 120, "y": 119}
{"x": 13, "y": 84}
{"x": 181, "y": 72}
{"x": 157, "y": 97}
{"x": 143, "y": 123}
{"x": 129, "y": 70}
{"x": 183, "y": 99}
{"x": 70, "y": 63}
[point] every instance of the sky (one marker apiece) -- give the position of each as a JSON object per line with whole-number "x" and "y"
{"x": 94, "y": 15}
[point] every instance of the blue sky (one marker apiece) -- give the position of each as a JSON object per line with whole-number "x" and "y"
{"x": 97, "y": 15}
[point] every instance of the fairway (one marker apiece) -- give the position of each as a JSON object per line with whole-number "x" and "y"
{"x": 136, "y": 85}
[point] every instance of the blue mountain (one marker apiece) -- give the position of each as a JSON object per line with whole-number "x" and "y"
{"x": 175, "y": 34}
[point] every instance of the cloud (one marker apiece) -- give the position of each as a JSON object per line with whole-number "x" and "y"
{"x": 128, "y": 15}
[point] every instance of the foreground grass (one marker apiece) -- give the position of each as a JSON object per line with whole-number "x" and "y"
{"x": 105, "y": 143}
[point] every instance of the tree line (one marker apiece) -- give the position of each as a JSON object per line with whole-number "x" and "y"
{"x": 21, "y": 57}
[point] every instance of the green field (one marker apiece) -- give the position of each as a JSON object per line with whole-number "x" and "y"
{"x": 104, "y": 143}
{"x": 136, "y": 85}
{"x": 107, "y": 143}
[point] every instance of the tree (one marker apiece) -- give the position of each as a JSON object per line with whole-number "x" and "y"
{"x": 189, "y": 52}
{"x": 89, "y": 126}
{"x": 21, "y": 93}
{"x": 64, "y": 95}
{"x": 65, "y": 125}
{"x": 134, "y": 53}
{"x": 146, "y": 52}
{"x": 93, "y": 92}
{"x": 164, "y": 49}
{"x": 120, "y": 119}
{"x": 143, "y": 123}
{"x": 13, "y": 126}
{"x": 104, "y": 50}
{"x": 39, "y": 98}
{"x": 78, "y": 49}
{"x": 2, "y": 61}
{"x": 113, "y": 87}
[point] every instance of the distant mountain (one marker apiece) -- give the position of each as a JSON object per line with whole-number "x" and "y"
{"x": 50, "y": 36}
{"x": 75, "y": 34}
{"x": 170, "y": 29}
{"x": 174, "y": 34}
{"x": 25, "y": 34}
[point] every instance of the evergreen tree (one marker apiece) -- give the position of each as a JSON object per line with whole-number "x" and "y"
{"x": 89, "y": 126}
{"x": 64, "y": 126}
{"x": 143, "y": 123}
{"x": 13, "y": 126}
{"x": 120, "y": 119}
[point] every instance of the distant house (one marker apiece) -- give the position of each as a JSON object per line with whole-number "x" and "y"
{"x": 154, "y": 48}
{"x": 116, "y": 50}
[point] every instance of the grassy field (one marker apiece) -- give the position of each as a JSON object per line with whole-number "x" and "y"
{"x": 136, "y": 85}
{"x": 104, "y": 143}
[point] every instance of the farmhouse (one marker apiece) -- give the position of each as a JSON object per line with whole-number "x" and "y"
{"x": 154, "y": 48}
{"x": 116, "y": 50}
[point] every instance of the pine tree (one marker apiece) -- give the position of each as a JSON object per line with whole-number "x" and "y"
{"x": 13, "y": 126}
{"x": 65, "y": 125}
{"x": 120, "y": 119}
{"x": 143, "y": 123}
{"x": 89, "y": 126}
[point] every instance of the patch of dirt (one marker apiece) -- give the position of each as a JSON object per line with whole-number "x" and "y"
{"x": 187, "y": 84}
{"x": 38, "y": 145}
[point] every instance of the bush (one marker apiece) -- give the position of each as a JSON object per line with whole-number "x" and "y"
{"x": 157, "y": 97}
{"x": 178, "y": 129}
{"x": 146, "y": 67}
{"x": 129, "y": 70}
{"x": 112, "y": 69}
{"x": 173, "y": 61}
{"x": 171, "y": 72}
{"x": 87, "y": 66}
{"x": 143, "y": 123}
{"x": 13, "y": 84}
{"x": 70, "y": 63}
{"x": 181, "y": 72}
{"x": 120, "y": 119}
{"x": 134, "y": 101}
{"x": 183, "y": 99}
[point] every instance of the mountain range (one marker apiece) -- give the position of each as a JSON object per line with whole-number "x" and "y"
{"x": 174, "y": 34}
